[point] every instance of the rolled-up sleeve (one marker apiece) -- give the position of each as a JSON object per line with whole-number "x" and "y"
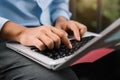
{"x": 60, "y": 8}
{"x": 2, "y": 22}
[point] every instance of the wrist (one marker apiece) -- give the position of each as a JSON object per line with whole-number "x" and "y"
{"x": 61, "y": 18}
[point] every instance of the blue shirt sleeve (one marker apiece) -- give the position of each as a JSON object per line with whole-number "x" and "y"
{"x": 60, "y": 8}
{"x": 2, "y": 22}
{"x": 33, "y": 12}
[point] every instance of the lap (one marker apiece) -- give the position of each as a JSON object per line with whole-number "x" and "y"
{"x": 14, "y": 66}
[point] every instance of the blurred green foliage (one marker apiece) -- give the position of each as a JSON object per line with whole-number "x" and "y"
{"x": 87, "y": 12}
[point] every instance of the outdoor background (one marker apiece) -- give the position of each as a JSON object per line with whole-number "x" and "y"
{"x": 95, "y": 14}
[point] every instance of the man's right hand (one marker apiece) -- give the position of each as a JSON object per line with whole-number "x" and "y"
{"x": 39, "y": 37}
{"x": 44, "y": 36}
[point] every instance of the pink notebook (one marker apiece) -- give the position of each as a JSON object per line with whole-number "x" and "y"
{"x": 94, "y": 55}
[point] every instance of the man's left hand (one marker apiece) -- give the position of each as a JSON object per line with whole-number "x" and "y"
{"x": 77, "y": 28}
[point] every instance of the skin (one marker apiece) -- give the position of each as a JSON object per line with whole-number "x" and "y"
{"x": 40, "y": 36}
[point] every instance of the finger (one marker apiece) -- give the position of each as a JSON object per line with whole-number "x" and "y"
{"x": 59, "y": 32}
{"x": 82, "y": 28}
{"x": 66, "y": 41}
{"x": 55, "y": 38}
{"x": 38, "y": 44}
{"x": 63, "y": 37}
{"x": 47, "y": 41}
{"x": 75, "y": 31}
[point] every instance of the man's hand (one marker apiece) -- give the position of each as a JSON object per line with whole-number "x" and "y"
{"x": 39, "y": 37}
{"x": 77, "y": 28}
{"x": 44, "y": 36}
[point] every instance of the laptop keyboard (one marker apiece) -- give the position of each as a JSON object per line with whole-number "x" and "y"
{"x": 63, "y": 51}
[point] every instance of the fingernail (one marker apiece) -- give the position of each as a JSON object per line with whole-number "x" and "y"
{"x": 70, "y": 46}
{"x": 78, "y": 38}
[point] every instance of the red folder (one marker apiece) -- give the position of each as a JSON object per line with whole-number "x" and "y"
{"x": 94, "y": 55}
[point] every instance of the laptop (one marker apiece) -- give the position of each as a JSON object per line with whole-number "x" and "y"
{"x": 56, "y": 59}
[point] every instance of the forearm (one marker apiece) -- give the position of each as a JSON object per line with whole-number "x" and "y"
{"x": 11, "y": 31}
